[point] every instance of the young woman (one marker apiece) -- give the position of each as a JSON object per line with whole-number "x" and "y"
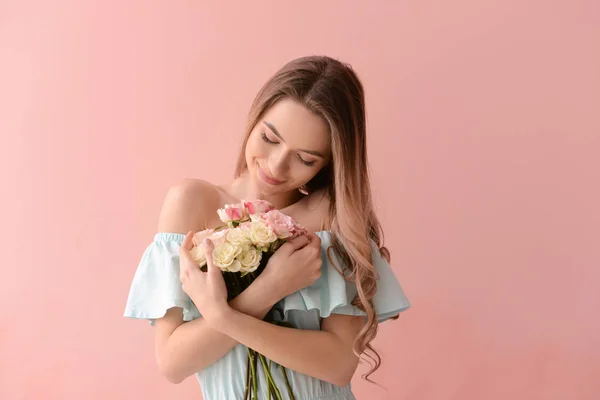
{"x": 305, "y": 152}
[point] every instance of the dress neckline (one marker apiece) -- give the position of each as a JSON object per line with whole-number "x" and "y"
{"x": 166, "y": 236}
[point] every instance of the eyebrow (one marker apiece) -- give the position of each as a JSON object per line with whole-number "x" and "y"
{"x": 271, "y": 127}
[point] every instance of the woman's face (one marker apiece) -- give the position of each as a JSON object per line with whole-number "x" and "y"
{"x": 287, "y": 148}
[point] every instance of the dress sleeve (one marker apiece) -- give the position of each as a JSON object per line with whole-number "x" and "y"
{"x": 156, "y": 286}
{"x": 332, "y": 294}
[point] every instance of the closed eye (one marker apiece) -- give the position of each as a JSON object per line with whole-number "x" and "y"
{"x": 307, "y": 163}
{"x": 303, "y": 161}
{"x": 266, "y": 139}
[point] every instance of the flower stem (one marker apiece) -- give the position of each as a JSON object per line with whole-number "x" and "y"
{"x": 256, "y": 376}
{"x": 247, "y": 390}
{"x": 268, "y": 375}
{"x": 287, "y": 383}
{"x": 253, "y": 374}
{"x": 270, "y": 391}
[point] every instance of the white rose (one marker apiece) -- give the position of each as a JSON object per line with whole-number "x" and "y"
{"x": 239, "y": 236}
{"x": 198, "y": 255}
{"x": 224, "y": 255}
{"x": 261, "y": 234}
{"x": 250, "y": 259}
{"x": 235, "y": 266}
{"x": 197, "y": 252}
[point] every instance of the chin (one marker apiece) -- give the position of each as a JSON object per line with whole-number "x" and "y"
{"x": 265, "y": 188}
{"x": 261, "y": 188}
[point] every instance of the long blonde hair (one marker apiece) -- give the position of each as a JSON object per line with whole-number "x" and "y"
{"x": 332, "y": 90}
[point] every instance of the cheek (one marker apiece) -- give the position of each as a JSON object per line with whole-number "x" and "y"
{"x": 257, "y": 148}
{"x": 250, "y": 148}
{"x": 303, "y": 174}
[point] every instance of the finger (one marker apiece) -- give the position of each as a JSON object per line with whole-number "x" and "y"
{"x": 315, "y": 240}
{"x": 186, "y": 246}
{"x": 187, "y": 242}
{"x": 209, "y": 246}
{"x": 184, "y": 270}
{"x": 184, "y": 275}
{"x": 185, "y": 258}
{"x": 296, "y": 243}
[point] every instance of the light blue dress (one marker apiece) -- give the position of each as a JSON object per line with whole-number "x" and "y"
{"x": 156, "y": 288}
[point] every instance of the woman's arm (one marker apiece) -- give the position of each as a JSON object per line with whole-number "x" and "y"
{"x": 325, "y": 354}
{"x": 183, "y": 348}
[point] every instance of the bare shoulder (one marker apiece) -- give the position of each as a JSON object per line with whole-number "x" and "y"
{"x": 188, "y": 206}
{"x": 313, "y": 211}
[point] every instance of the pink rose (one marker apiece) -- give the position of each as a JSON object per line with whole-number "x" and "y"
{"x": 232, "y": 212}
{"x": 298, "y": 231}
{"x": 245, "y": 225}
{"x": 219, "y": 237}
{"x": 258, "y": 206}
{"x": 199, "y": 236}
{"x": 284, "y": 226}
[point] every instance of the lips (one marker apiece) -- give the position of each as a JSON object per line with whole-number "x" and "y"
{"x": 268, "y": 178}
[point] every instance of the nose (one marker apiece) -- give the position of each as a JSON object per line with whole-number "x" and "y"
{"x": 278, "y": 164}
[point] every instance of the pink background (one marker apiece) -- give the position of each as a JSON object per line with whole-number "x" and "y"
{"x": 484, "y": 136}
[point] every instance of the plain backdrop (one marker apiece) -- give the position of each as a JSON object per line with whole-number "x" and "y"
{"x": 484, "y": 143}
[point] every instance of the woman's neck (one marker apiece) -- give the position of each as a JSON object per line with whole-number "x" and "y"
{"x": 242, "y": 188}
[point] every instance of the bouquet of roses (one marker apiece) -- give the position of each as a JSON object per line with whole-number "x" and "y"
{"x": 252, "y": 232}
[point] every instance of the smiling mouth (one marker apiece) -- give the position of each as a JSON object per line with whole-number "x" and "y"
{"x": 267, "y": 178}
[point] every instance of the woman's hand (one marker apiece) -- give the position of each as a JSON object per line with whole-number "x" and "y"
{"x": 206, "y": 289}
{"x": 294, "y": 266}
